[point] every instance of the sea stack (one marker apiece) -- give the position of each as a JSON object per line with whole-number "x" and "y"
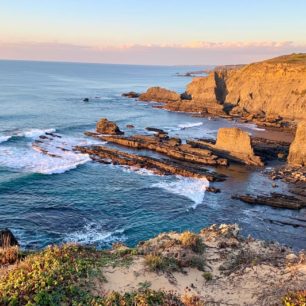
{"x": 238, "y": 144}
{"x": 297, "y": 151}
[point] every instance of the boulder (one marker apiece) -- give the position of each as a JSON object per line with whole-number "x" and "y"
{"x": 105, "y": 126}
{"x": 297, "y": 151}
{"x": 159, "y": 94}
{"x": 7, "y": 239}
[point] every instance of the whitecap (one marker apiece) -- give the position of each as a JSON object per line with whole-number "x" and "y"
{"x": 251, "y": 126}
{"x": 191, "y": 188}
{"x": 50, "y": 156}
{"x": 93, "y": 233}
{"x": 189, "y": 125}
{"x": 33, "y": 133}
{"x": 4, "y": 138}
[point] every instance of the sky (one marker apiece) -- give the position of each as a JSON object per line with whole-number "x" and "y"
{"x": 154, "y": 32}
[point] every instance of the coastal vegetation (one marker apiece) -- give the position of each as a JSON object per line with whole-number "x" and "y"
{"x": 71, "y": 274}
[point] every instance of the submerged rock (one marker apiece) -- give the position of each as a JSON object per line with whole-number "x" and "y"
{"x": 7, "y": 239}
{"x": 105, "y": 126}
{"x": 131, "y": 94}
{"x": 297, "y": 151}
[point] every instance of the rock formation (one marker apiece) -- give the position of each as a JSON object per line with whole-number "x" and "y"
{"x": 159, "y": 94}
{"x": 233, "y": 144}
{"x": 269, "y": 93}
{"x": 297, "y": 151}
{"x": 7, "y": 239}
{"x": 238, "y": 144}
{"x": 108, "y": 127}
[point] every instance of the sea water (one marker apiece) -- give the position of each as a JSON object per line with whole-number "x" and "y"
{"x": 65, "y": 196}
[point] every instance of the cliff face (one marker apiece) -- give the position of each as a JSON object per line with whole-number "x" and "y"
{"x": 275, "y": 87}
{"x": 297, "y": 152}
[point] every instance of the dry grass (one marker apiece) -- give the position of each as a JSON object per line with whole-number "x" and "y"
{"x": 9, "y": 255}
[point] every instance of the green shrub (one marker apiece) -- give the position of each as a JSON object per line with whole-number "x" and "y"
{"x": 50, "y": 277}
{"x": 207, "y": 276}
{"x": 160, "y": 263}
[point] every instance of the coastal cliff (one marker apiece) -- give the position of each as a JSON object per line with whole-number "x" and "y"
{"x": 268, "y": 91}
{"x": 275, "y": 87}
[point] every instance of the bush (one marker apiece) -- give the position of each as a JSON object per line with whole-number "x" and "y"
{"x": 143, "y": 298}
{"x": 9, "y": 255}
{"x": 192, "y": 241}
{"x": 207, "y": 276}
{"x": 160, "y": 263}
{"x": 50, "y": 277}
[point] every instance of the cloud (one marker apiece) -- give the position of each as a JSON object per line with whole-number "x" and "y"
{"x": 199, "y": 52}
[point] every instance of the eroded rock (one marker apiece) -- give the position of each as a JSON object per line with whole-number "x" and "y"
{"x": 297, "y": 151}
{"x": 159, "y": 94}
{"x": 104, "y": 126}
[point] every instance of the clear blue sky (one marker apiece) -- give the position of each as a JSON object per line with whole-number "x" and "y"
{"x": 99, "y": 23}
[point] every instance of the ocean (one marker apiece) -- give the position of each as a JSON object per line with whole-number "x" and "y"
{"x": 69, "y": 198}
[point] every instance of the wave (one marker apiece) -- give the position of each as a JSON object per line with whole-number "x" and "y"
{"x": 4, "y": 138}
{"x": 27, "y": 133}
{"x": 33, "y": 133}
{"x": 93, "y": 233}
{"x": 191, "y": 188}
{"x": 251, "y": 126}
{"x": 51, "y": 155}
{"x": 189, "y": 125}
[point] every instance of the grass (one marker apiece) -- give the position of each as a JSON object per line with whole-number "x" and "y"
{"x": 9, "y": 255}
{"x": 294, "y": 58}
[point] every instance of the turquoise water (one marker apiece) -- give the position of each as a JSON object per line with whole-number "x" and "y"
{"x": 46, "y": 199}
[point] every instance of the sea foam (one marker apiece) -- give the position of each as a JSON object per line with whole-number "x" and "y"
{"x": 189, "y": 125}
{"x": 51, "y": 155}
{"x": 93, "y": 233}
{"x": 191, "y": 188}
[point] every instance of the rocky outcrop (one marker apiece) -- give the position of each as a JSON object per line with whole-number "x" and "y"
{"x": 297, "y": 151}
{"x": 170, "y": 147}
{"x": 233, "y": 144}
{"x": 162, "y": 167}
{"x": 7, "y": 239}
{"x": 159, "y": 94}
{"x": 105, "y": 126}
{"x": 274, "y": 200}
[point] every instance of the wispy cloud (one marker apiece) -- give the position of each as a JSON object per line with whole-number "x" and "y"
{"x": 199, "y": 52}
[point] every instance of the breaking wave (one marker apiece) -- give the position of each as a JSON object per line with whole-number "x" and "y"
{"x": 93, "y": 233}
{"x": 191, "y": 188}
{"x": 189, "y": 125}
{"x": 47, "y": 154}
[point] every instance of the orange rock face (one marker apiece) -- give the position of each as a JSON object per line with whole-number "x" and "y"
{"x": 238, "y": 144}
{"x": 159, "y": 94}
{"x": 297, "y": 151}
{"x": 105, "y": 126}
